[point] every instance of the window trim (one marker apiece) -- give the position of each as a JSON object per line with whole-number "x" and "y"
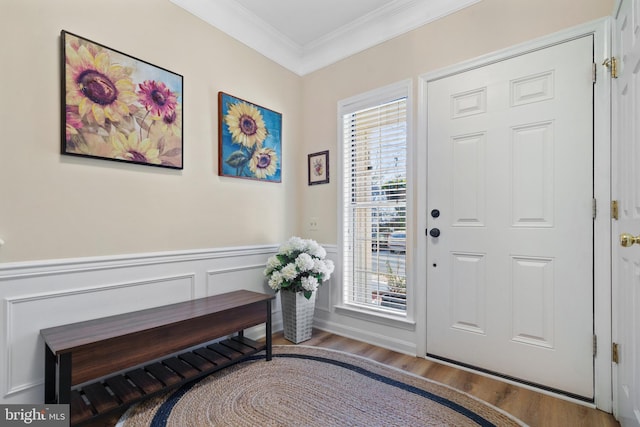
{"x": 353, "y": 104}
{"x": 396, "y": 320}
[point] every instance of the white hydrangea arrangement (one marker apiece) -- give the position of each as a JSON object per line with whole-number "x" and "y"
{"x": 299, "y": 266}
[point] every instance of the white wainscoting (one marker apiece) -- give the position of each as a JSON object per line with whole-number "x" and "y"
{"x": 43, "y": 294}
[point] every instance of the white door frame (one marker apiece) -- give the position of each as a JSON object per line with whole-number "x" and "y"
{"x": 601, "y": 31}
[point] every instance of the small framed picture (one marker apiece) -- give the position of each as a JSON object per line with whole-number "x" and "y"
{"x": 318, "y": 164}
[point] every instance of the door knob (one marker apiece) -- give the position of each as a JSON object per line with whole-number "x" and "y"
{"x": 627, "y": 240}
{"x": 434, "y": 232}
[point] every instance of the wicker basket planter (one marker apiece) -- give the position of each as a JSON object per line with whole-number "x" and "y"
{"x": 297, "y": 315}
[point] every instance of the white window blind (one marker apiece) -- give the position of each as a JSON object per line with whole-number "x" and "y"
{"x": 374, "y": 144}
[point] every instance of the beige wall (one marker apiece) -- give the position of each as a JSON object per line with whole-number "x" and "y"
{"x": 480, "y": 29}
{"x": 54, "y": 206}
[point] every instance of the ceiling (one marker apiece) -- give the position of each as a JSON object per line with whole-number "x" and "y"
{"x": 306, "y": 35}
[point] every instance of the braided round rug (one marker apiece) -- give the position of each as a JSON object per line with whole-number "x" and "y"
{"x": 310, "y": 386}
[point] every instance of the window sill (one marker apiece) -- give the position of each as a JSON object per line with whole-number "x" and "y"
{"x": 383, "y": 318}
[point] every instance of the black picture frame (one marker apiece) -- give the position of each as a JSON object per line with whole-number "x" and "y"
{"x": 118, "y": 107}
{"x": 318, "y": 168}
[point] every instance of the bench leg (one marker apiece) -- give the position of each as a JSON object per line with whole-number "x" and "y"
{"x": 64, "y": 379}
{"x": 49, "y": 375}
{"x": 268, "y": 331}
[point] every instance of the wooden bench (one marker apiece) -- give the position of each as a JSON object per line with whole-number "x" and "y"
{"x": 79, "y": 357}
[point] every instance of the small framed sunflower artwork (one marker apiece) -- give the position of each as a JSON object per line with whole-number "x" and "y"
{"x": 117, "y": 107}
{"x": 249, "y": 140}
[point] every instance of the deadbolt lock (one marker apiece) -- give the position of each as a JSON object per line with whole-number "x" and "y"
{"x": 627, "y": 240}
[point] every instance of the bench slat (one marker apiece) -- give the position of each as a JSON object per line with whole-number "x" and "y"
{"x": 146, "y": 382}
{"x": 225, "y": 351}
{"x": 248, "y": 342}
{"x": 100, "y": 398}
{"x": 80, "y": 411}
{"x": 212, "y": 356}
{"x": 122, "y": 388}
{"x": 199, "y": 362}
{"x": 164, "y": 374}
{"x": 181, "y": 367}
{"x": 238, "y": 346}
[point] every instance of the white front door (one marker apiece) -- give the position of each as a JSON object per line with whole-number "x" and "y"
{"x": 510, "y": 173}
{"x": 626, "y": 189}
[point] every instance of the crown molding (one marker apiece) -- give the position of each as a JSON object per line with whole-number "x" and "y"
{"x": 383, "y": 24}
{"x": 244, "y": 26}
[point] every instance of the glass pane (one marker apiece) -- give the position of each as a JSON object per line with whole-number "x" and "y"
{"x": 375, "y": 206}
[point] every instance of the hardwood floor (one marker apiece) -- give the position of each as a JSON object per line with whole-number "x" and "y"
{"x": 535, "y": 409}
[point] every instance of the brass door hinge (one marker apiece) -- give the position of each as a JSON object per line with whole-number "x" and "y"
{"x": 612, "y": 65}
{"x": 614, "y": 209}
{"x": 615, "y": 353}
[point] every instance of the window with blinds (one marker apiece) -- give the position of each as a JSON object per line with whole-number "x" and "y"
{"x": 374, "y": 217}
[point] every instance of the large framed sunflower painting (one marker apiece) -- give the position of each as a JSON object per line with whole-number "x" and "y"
{"x": 249, "y": 140}
{"x": 117, "y": 107}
